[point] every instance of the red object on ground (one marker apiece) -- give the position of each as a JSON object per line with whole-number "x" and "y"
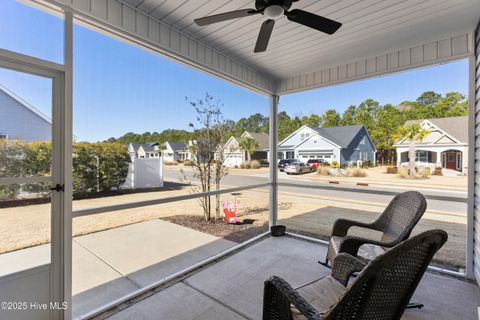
{"x": 230, "y": 211}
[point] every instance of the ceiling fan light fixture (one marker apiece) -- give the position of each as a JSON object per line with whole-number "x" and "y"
{"x": 273, "y": 12}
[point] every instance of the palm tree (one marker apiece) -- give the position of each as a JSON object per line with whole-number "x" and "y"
{"x": 413, "y": 133}
{"x": 249, "y": 145}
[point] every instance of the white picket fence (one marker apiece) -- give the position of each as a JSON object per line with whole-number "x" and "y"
{"x": 144, "y": 173}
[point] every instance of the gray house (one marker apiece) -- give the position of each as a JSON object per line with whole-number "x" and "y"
{"x": 345, "y": 144}
{"x": 21, "y": 121}
{"x": 144, "y": 150}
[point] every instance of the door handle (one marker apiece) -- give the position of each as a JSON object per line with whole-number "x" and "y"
{"x": 58, "y": 187}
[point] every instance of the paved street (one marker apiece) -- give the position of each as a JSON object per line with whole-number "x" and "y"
{"x": 439, "y": 200}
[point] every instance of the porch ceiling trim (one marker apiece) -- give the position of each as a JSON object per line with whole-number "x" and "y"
{"x": 437, "y": 52}
{"x": 122, "y": 20}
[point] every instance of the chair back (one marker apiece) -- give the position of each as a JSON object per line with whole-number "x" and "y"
{"x": 384, "y": 288}
{"x": 401, "y": 216}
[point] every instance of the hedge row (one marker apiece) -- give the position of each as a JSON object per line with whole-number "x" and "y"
{"x": 97, "y": 166}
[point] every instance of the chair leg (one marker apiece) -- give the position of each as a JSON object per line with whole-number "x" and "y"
{"x": 414, "y": 305}
{"x": 325, "y": 264}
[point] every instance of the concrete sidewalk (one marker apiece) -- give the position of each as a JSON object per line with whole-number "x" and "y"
{"x": 110, "y": 264}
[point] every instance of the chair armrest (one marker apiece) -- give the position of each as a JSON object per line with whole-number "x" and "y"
{"x": 351, "y": 244}
{"x": 344, "y": 265}
{"x": 277, "y": 297}
{"x": 341, "y": 226}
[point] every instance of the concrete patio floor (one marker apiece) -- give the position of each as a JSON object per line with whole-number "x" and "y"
{"x": 110, "y": 264}
{"x": 233, "y": 287}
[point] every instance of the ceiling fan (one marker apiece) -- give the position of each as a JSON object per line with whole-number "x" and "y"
{"x": 272, "y": 10}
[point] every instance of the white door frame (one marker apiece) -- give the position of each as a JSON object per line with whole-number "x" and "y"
{"x": 61, "y": 201}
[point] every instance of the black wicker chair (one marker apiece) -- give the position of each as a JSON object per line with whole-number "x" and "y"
{"x": 395, "y": 223}
{"x": 381, "y": 291}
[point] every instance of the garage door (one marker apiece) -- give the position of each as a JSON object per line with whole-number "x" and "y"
{"x": 307, "y": 155}
{"x": 232, "y": 161}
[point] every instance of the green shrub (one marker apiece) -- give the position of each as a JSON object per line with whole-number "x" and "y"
{"x": 113, "y": 161}
{"x": 11, "y": 158}
{"x": 85, "y": 169}
{"x": 392, "y": 170}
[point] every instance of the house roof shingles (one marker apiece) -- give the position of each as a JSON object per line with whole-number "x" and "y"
{"x": 262, "y": 139}
{"x": 177, "y": 146}
{"x": 456, "y": 127}
{"x": 342, "y": 136}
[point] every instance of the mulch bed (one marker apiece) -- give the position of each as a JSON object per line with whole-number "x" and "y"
{"x": 244, "y": 230}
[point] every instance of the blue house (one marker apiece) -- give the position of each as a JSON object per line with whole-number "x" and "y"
{"x": 345, "y": 144}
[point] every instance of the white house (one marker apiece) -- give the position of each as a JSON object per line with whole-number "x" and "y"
{"x": 144, "y": 150}
{"x": 345, "y": 144}
{"x": 176, "y": 151}
{"x": 21, "y": 121}
{"x": 445, "y": 146}
{"x": 234, "y": 155}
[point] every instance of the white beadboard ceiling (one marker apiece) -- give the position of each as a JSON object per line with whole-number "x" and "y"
{"x": 369, "y": 27}
{"x": 377, "y": 37}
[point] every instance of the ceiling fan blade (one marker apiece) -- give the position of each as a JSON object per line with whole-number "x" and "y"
{"x": 264, "y": 36}
{"x": 225, "y": 16}
{"x": 313, "y": 21}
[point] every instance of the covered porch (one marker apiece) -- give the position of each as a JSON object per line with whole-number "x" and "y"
{"x": 199, "y": 294}
{"x": 434, "y": 157}
{"x": 379, "y": 38}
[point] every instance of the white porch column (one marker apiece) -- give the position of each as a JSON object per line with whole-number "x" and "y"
{"x": 399, "y": 158}
{"x": 272, "y": 160}
{"x": 439, "y": 159}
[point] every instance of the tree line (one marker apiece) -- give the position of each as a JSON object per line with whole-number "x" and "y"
{"x": 383, "y": 122}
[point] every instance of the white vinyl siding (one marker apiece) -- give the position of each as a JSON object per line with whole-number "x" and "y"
{"x": 18, "y": 122}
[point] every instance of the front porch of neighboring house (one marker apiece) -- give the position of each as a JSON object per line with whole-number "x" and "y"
{"x": 433, "y": 157}
{"x": 445, "y": 145}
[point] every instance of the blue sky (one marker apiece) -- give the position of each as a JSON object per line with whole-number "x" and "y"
{"x": 120, "y": 88}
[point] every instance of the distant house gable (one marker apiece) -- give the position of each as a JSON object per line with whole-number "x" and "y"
{"x": 450, "y": 130}
{"x": 232, "y": 145}
{"x": 294, "y": 138}
{"x": 262, "y": 139}
{"x": 21, "y": 121}
{"x": 26, "y": 105}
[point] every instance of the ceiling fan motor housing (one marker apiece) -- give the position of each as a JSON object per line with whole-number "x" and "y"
{"x": 261, "y": 5}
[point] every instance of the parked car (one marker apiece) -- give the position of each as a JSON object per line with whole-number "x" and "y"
{"x": 284, "y": 162}
{"x": 315, "y": 163}
{"x": 297, "y": 168}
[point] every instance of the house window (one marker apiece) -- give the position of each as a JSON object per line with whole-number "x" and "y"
{"x": 304, "y": 136}
{"x": 362, "y": 141}
{"x": 3, "y": 137}
{"x": 421, "y": 156}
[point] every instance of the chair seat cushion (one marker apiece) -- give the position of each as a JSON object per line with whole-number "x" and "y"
{"x": 367, "y": 252}
{"x": 321, "y": 294}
